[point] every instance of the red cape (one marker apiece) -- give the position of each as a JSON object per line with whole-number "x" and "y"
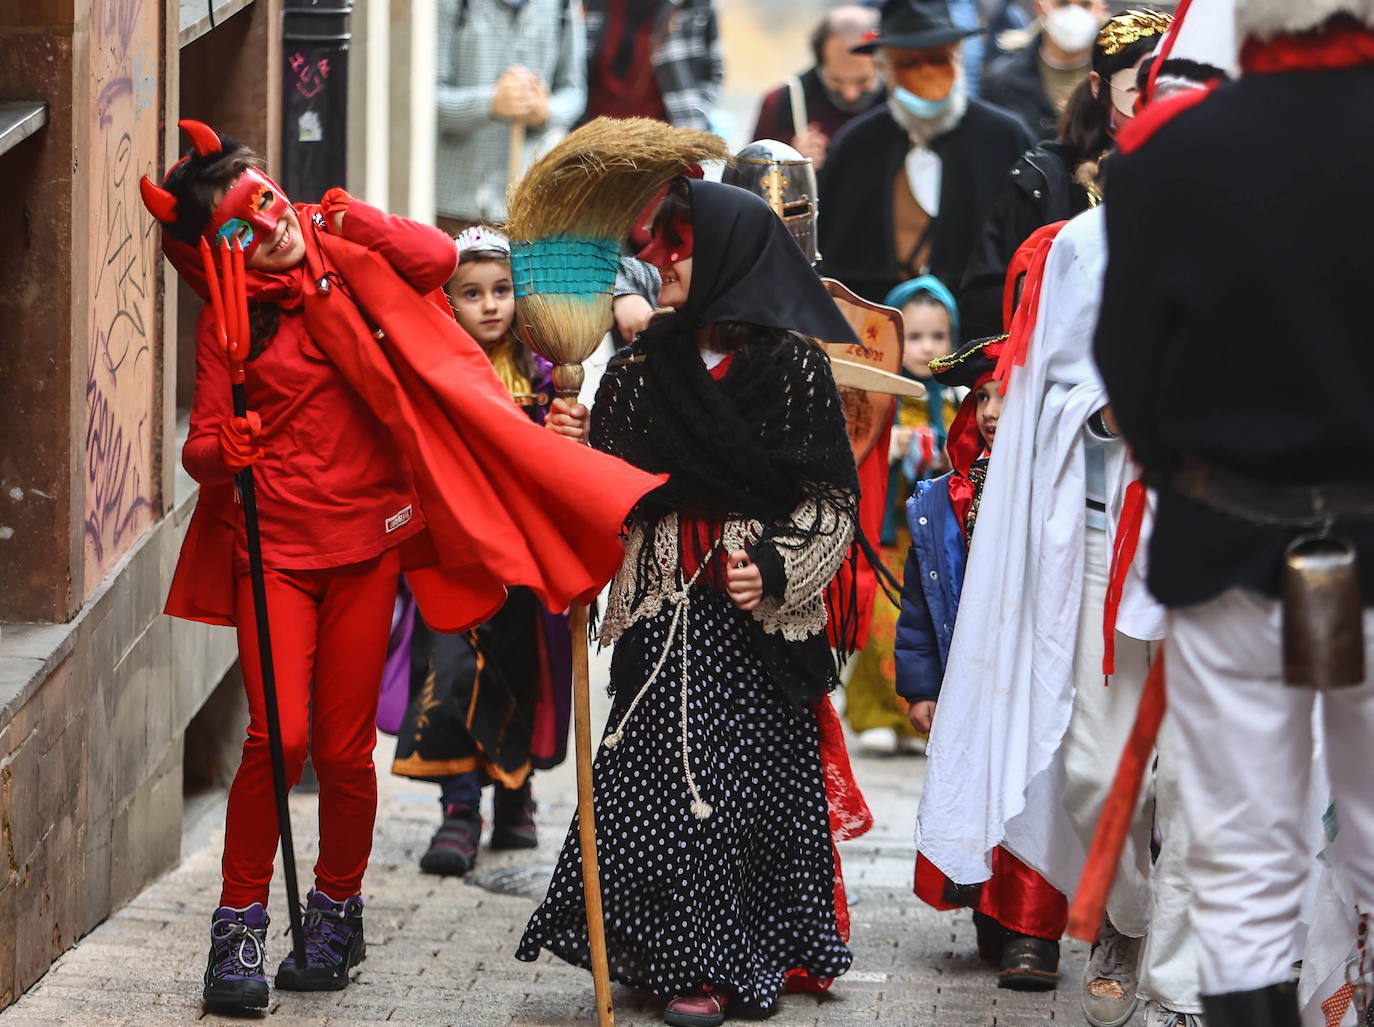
{"x": 506, "y": 501}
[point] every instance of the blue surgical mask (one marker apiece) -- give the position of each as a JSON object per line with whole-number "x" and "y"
{"x": 919, "y": 106}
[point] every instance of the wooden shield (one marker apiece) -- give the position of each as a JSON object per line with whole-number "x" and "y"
{"x": 879, "y": 329}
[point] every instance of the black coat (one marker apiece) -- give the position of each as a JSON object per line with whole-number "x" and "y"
{"x": 856, "y": 237}
{"x": 1013, "y": 83}
{"x": 1236, "y": 321}
{"x": 1040, "y": 191}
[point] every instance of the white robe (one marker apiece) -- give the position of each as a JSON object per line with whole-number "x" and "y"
{"x": 1008, "y": 687}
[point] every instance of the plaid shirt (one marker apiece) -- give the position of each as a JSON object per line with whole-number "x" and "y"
{"x": 687, "y": 57}
{"x": 477, "y": 41}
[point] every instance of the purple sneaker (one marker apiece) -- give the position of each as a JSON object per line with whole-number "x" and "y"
{"x": 333, "y": 945}
{"x": 238, "y": 950}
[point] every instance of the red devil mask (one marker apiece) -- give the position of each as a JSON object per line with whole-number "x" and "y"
{"x": 661, "y": 251}
{"x": 249, "y": 212}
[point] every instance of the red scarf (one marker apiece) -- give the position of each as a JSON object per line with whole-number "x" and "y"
{"x": 965, "y": 444}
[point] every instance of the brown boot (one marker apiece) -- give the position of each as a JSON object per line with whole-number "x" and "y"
{"x": 1029, "y": 964}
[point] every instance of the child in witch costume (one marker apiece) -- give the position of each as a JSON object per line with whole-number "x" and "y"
{"x": 717, "y": 872}
{"x": 490, "y": 704}
{"x": 364, "y": 460}
{"x": 1019, "y": 915}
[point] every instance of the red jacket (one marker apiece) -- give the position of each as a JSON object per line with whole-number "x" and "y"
{"x": 498, "y": 500}
{"x": 333, "y": 487}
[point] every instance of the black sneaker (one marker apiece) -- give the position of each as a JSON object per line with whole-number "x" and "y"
{"x": 513, "y": 823}
{"x": 333, "y": 945}
{"x": 234, "y": 977}
{"x": 453, "y": 849}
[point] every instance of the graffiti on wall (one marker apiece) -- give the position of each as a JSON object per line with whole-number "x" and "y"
{"x": 121, "y": 380}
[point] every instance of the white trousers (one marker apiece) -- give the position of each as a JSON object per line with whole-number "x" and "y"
{"x": 1245, "y": 756}
{"x": 1102, "y": 718}
{"x": 1169, "y": 966}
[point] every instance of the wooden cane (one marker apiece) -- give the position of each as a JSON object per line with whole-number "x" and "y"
{"x": 516, "y": 159}
{"x": 567, "y": 381}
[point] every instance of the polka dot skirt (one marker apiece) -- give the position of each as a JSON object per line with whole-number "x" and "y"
{"x": 736, "y": 899}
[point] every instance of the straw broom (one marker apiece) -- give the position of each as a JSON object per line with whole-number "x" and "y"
{"x": 568, "y": 219}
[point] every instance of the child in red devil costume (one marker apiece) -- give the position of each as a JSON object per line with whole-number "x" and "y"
{"x": 355, "y": 432}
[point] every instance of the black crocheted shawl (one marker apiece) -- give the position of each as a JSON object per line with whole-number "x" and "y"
{"x": 767, "y": 436}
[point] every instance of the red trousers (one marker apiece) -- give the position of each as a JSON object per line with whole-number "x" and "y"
{"x": 330, "y": 627}
{"x": 1015, "y": 896}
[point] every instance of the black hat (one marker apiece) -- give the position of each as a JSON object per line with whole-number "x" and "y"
{"x": 915, "y": 25}
{"x": 969, "y": 363}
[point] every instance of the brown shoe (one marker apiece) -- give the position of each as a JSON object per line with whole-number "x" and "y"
{"x": 1029, "y": 964}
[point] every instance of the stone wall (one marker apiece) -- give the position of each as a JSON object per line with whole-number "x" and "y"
{"x": 92, "y": 715}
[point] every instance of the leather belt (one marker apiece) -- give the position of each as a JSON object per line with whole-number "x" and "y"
{"x": 1265, "y": 502}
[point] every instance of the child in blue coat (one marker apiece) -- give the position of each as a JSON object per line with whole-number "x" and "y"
{"x": 941, "y": 515}
{"x": 1018, "y": 914}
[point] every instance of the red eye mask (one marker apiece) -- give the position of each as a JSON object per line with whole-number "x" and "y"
{"x": 250, "y": 211}
{"x": 661, "y": 252}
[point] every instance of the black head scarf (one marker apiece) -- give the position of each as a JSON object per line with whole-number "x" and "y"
{"x": 747, "y": 267}
{"x": 768, "y": 440}
{"x": 773, "y": 428}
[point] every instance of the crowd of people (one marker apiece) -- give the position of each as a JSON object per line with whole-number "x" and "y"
{"x": 1104, "y": 264}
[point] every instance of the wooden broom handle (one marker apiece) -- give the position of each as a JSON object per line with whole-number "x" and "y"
{"x": 586, "y": 819}
{"x": 567, "y": 381}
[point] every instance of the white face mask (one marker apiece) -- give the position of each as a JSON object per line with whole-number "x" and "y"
{"x": 1071, "y": 28}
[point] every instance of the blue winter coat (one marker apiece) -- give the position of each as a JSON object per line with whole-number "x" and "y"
{"x": 930, "y": 591}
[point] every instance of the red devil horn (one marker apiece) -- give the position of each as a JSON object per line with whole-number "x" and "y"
{"x": 160, "y": 203}
{"x": 203, "y": 137}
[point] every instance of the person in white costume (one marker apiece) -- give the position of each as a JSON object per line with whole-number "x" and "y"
{"x": 1028, "y": 731}
{"x": 1206, "y": 296}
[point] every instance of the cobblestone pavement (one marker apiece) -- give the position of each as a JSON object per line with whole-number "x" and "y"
{"x": 440, "y": 950}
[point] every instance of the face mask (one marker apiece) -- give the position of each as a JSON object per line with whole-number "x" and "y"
{"x": 920, "y": 107}
{"x": 858, "y": 106}
{"x": 1124, "y": 92}
{"x": 1073, "y": 29}
{"x": 663, "y": 253}
{"x": 242, "y": 213}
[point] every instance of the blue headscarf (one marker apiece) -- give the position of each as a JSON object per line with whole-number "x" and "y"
{"x": 901, "y": 295}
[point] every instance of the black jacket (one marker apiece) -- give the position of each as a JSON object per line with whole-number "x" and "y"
{"x": 856, "y": 238}
{"x": 1235, "y": 323}
{"x": 1040, "y": 191}
{"x": 1013, "y": 83}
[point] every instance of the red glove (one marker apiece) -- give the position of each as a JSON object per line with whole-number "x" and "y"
{"x": 240, "y": 441}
